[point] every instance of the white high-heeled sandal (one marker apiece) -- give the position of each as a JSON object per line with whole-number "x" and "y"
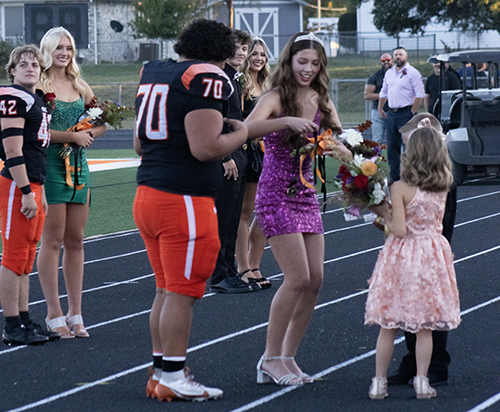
{"x": 56, "y": 323}
{"x": 264, "y": 376}
{"x": 306, "y": 378}
{"x": 77, "y": 320}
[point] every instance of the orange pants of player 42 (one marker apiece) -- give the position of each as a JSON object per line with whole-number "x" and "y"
{"x": 181, "y": 237}
{"x": 19, "y": 235}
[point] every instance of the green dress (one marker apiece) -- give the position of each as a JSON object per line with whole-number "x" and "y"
{"x": 64, "y": 116}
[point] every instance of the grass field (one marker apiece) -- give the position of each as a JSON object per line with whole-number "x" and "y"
{"x": 342, "y": 67}
{"x": 112, "y": 196}
{"x": 113, "y": 193}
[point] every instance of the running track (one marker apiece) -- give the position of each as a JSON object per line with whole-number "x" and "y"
{"x": 108, "y": 372}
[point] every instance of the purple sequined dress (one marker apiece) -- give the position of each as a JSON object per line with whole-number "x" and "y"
{"x": 277, "y": 212}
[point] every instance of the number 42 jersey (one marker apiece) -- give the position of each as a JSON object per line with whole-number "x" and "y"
{"x": 167, "y": 92}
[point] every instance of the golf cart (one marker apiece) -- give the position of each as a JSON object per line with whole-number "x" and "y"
{"x": 471, "y": 116}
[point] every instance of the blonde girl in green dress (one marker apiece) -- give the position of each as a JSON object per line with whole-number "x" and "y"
{"x": 68, "y": 200}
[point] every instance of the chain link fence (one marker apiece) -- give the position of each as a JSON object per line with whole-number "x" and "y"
{"x": 346, "y": 94}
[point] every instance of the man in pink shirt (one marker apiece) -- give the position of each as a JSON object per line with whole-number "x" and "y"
{"x": 404, "y": 91}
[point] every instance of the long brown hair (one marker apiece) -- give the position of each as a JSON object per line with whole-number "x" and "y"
{"x": 284, "y": 83}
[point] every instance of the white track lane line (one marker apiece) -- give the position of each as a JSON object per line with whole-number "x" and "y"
{"x": 230, "y": 336}
{"x": 215, "y": 341}
{"x": 135, "y": 231}
{"x": 486, "y": 404}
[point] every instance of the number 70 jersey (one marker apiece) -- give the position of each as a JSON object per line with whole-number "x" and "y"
{"x": 167, "y": 92}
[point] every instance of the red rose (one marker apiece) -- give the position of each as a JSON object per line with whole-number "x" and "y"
{"x": 50, "y": 97}
{"x": 344, "y": 173}
{"x": 361, "y": 182}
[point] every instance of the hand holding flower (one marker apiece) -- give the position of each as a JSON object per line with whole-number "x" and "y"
{"x": 83, "y": 138}
{"x": 300, "y": 125}
{"x": 382, "y": 210}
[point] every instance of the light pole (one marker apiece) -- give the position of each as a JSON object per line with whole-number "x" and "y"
{"x": 319, "y": 14}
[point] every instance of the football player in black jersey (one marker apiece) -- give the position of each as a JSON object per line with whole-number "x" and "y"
{"x": 24, "y": 125}
{"x": 180, "y": 110}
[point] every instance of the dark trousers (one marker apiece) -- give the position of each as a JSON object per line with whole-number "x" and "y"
{"x": 395, "y": 120}
{"x": 440, "y": 357}
{"x": 228, "y": 203}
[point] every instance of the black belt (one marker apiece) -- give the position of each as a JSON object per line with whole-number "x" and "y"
{"x": 399, "y": 109}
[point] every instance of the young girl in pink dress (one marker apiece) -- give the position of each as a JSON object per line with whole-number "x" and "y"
{"x": 413, "y": 286}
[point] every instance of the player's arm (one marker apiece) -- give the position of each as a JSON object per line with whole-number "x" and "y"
{"x": 264, "y": 118}
{"x": 206, "y": 141}
{"x": 12, "y": 139}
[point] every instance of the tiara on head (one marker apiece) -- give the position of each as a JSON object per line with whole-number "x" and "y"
{"x": 310, "y": 36}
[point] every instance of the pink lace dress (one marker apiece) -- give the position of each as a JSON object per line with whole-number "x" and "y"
{"x": 413, "y": 285}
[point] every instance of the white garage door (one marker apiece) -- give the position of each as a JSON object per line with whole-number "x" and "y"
{"x": 260, "y": 22}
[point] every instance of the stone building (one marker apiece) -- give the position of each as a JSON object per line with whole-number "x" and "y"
{"x": 100, "y": 27}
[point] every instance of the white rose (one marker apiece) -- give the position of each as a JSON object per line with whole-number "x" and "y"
{"x": 94, "y": 112}
{"x": 353, "y": 137}
{"x": 378, "y": 193}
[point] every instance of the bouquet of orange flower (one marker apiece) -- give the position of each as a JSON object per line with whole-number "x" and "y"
{"x": 362, "y": 182}
{"x": 98, "y": 113}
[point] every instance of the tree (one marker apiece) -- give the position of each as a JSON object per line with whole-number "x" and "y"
{"x": 6, "y": 47}
{"x": 396, "y": 16}
{"x": 474, "y": 15}
{"x": 164, "y": 19}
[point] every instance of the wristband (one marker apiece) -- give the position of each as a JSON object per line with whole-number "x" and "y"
{"x": 26, "y": 190}
{"x": 14, "y": 161}
{"x": 12, "y": 131}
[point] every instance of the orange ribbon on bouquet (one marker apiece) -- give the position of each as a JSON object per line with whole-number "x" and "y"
{"x": 319, "y": 147}
{"x": 81, "y": 125}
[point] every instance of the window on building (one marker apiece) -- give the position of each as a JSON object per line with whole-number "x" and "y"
{"x": 14, "y": 23}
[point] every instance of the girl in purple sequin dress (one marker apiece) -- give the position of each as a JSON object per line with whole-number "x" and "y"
{"x": 287, "y": 209}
